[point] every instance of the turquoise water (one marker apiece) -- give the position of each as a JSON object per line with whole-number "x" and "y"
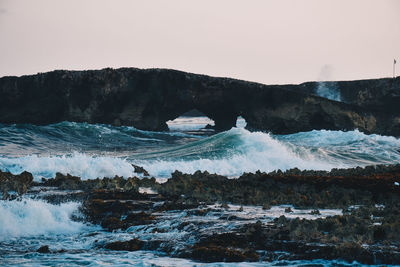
{"x": 92, "y": 151}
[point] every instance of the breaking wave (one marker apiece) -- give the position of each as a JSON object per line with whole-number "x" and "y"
{"x": 228, "y": 153}
{"x": 28, "y": 217}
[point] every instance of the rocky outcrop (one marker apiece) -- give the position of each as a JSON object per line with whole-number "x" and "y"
{"x": 19, "y": 183}
{"x": 146, "y": 99}
{"x": 199, "y": 209}
{"x": 374, "y": 94}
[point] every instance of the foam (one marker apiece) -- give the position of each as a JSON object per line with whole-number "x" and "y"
{"x": 77, "y": 164}
{"x": 30, "y": 217}
{"x": 248, "y": 152}
{"x": 228, "y": 153}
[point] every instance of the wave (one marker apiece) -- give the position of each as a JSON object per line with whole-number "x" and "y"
{"x": 228, "y": 153}
{"x": 69, "y": 137}
{"x": 77, "y": 164}
{"x": 234, "y": 152}
{"x": 238, "y": 150}
{"x": 28, "y": 217}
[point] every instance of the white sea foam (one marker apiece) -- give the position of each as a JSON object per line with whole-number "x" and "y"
{"x": 30, "y": 217}
{"x": 229, "y": 153}
{"x": 328, "y": 90}
{"x": 256, "y": 151}
{"x": 78, "y": 164}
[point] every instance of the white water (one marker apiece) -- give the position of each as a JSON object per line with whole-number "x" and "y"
{"x": 329, "y": 91}
{"x": 255, "y": 151}
{"x": 30, "y": 217}
{"x": 229, "y": 153}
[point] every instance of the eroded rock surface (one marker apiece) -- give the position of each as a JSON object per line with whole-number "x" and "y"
{"x": 19, "y": 183}
{"x": 347, "y": 214}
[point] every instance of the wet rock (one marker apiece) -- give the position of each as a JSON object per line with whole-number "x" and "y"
{"x": 112, "y": 223}
{"x": 222, "y": 254}
{"x": 179, "y": 204}
{"x": 288, "y": 210}
{"x": 266, "y": 207}
{"x": 315, "y": 212}
{"x": 225, "y": 206}
{"x": 130, "y": 245}
{"x": 113, "y": 204}
{"x": 305, "y": 189}
{"x": 19, "y": 183}
{"x": 141, "y": 170}
{"x": 140, "y": 218}
{"x": 43, "y": 249}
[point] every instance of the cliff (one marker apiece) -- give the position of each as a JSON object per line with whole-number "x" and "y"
{"x": 147, "y": 98}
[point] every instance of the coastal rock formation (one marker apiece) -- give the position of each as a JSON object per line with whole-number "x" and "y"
{"x": 146, "y": 99}
{"x": 374, "y": 94}
{"x": 19, "y": 183}
{"x": 214, "y": 219}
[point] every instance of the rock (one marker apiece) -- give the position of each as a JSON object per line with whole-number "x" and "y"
{"x": 112, "y": 223}
{"x": 140, "y": 218}
{"x": 225, "y": 206}
{"x": 222, "y": 254}
{"x": 288, "y": 210}
{"x": 266, "y": 206}
{"x": 315, "y": 212}
{"x": 130, "y": 245}
{"x": 147, "y": 99}
{"x": 139, "y": 169}
{"x": 334, "y": 237}
{"x": 19, "y": 183}
{"x": 64, "y": 182}
{"x": 43, "y": 249}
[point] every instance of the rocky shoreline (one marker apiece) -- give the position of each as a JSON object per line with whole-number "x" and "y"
{"x": 348, "y": 214}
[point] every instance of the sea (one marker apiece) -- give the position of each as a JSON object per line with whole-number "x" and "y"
{"x": 97, "y": 150}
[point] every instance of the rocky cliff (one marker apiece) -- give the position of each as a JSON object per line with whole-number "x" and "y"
{"x": 147, "y": 98}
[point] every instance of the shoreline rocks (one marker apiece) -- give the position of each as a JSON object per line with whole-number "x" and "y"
{"x": 19, "y": 183}
{"x": 367, "y": 231}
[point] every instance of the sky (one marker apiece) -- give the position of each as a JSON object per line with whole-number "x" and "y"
{"x": 267, "y": 41}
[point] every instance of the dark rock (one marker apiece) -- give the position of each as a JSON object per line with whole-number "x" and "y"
{"x": 140, "y": 218}
{"x": 131, "y": 245}
{"x": 139, "y": 169}
{"x": 43, "y": 249}
{"x": 335, "y": 237}
{"x": 315, "y": 212}
{"x": 266, "y": 206}
{"x": 112, "y": 223}
{"x": 288, "y": 210}
{"x": 307, "y": 189}
{"x": 19, "y": 183}
{"x": 222, "y": 254}
{"x": 146, "y": 99}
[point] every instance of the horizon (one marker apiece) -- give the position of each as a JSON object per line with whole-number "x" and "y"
{"x": 269, "y": 42}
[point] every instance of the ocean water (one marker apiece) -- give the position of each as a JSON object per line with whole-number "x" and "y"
{"x": 92, "y": 151}
{"x": 96, "y": 150}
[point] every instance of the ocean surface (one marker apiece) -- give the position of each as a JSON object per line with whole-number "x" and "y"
{"x": 97, "y": 150}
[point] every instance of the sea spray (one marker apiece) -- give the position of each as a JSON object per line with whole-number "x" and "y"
{"x": 228, "y": 153}
{"x": 77, "y": 164}
{"x": 234, "y": 152}
{"x": 328, "y": 90}
{"x": 29, "y": 217}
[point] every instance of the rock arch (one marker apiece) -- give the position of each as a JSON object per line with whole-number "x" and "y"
{"x": 147, "y": 99}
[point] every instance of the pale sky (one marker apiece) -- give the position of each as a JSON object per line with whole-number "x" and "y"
{"x": 282, "y": 41}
